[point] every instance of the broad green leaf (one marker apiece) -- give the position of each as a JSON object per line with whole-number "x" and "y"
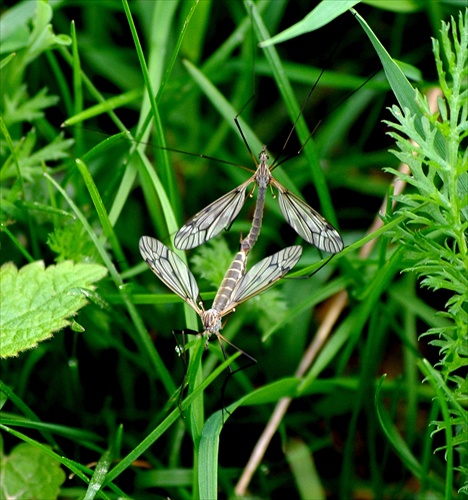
{"x": 36, "y": 301}
{"x": 14, "y": 27}
{"x": 28, "y": 472}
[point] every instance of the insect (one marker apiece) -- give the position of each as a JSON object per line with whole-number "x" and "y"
{"x": 237, "y": 285}
{"x": 220, "y": 214}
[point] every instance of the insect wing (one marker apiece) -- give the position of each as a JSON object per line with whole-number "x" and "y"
{"x": 209, "y": 222}
{"x": 308, "y": 223}
{"x": 264, "y": 274}
{"x": 171, "y": 270}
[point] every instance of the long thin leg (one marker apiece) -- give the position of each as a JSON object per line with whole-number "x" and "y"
{"x": 231, "y": 372}
{"x": 182, "y": 352}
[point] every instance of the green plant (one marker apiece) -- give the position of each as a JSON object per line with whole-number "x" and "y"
{"x": 435, "y": 232}
{"x": 101, "y": 397}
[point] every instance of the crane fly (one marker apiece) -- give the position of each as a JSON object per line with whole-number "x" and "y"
{"x": 237, "y": 285}
{"x": 220, "y": 214}
{"x": 306, "y": 221}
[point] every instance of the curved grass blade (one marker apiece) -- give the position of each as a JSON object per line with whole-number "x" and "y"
{"x": 321, "y": 15}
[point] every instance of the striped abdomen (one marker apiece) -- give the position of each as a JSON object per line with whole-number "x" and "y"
{"x": 231, "y": 278}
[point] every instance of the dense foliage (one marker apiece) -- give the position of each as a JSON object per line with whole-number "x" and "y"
{"x": 371, "y": 349}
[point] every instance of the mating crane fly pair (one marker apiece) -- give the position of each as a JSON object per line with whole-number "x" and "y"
{"x": 237, "y": 285}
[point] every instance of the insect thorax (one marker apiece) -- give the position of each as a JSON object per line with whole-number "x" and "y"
{"x": 211, "y": 321}
{"x": 263, "y": 174}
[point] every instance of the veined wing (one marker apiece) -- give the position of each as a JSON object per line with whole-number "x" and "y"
{"x": 209, "y": 222}
{"x": 171, "y": 270}
{"x": 264, "y": 274}
{"x": 307, "y": 222}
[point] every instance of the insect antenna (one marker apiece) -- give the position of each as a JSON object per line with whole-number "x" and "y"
{"x": 236, "y": 121}
{"x": 282, "y": 158}
{"x": 207, "y": 157}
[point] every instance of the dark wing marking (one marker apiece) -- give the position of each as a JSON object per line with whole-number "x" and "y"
{"x": 171, "y": 270}
{"x": 308, "y": 223}
{"x": 210, "y": 221}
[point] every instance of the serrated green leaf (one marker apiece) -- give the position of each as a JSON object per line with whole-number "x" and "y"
{"x": 28, "y": 472}
{"x": 217, "y": 252}
{"x": 268, "y": 310}
{"x": 19, "y": 107}
{"x": 31, "y": 163}
{"x": 71, "y": 242}
{"x": 36, "y": 301}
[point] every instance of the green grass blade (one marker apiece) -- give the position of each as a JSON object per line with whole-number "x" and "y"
{"x": 324, "y": 13}
{"x": 151, "y": 84}
{"x": 394, "y": 436}
{"x": 104, "y": 107}
{"x": 144, "y": 340}
{"x": 402, "y": 88}
{"x": 102, "y": 214}
{"x": 293, "y": 109}
{"x": 168, "y": 421}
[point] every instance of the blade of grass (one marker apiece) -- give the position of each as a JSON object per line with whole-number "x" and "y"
{"x": 209, "y": 444}
{"x": 152, "y": 84}
{"x": 109, "y": 233}
{"x": 168, "y": 421}
{"x": 24, "y": 408}
{"x": 293, "y": 109}
{"x": 77, "y": 86}
{"x": 322, "y": 14}
{"x": 143, "y": 339}
{"x": 100, "y": 471}
{"x": 350, "y": 329}
{"x": 104, "y": 107}
{"x": 394, "y": 437}
{"x": 79, "y": 470}
{"x": 402, "y": 88}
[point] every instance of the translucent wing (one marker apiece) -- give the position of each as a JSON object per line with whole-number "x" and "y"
{"x": 307, "y": 222}
{"x": 171, "y": 270}
{"x": 264, "y": 274}
{"x": 211, "y": 220}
